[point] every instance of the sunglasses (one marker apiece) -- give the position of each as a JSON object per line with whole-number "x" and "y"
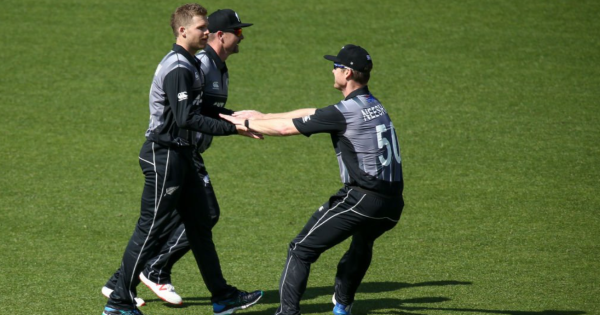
{"x": 338, "y": 66}
{"x": 237, "y": 31}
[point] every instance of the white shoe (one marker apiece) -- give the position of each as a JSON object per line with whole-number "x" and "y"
{"x": 139, "y": 302}
{"x": 164, "y": 291}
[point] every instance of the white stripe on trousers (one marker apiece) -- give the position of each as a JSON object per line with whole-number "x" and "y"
{"x": 160, "y": 256}
{"x": 317, "y": 225}
{"x": 156, "y": 205}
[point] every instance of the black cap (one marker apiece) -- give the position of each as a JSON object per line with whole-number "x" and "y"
{"x": 353, "y": 57}
{"x": 225, "y": 20}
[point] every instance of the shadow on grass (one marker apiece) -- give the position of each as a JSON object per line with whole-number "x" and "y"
{"x": 407, "y": 310}
{"x": 388, "y": 306}
{"x": 272, "y": 296}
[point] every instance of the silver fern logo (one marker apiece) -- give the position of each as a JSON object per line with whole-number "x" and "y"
{"x": 169, "y": 191}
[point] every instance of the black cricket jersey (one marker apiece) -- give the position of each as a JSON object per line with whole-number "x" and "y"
{"x": 176, "y": 102}
{"x": 364, "y": 140}
{"x": 215, "y": 91}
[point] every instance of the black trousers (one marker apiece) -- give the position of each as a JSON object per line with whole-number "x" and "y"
{"x": 171, "y": 195}
{"x": 158, "y": 269}
{"x": 349, "y": 213}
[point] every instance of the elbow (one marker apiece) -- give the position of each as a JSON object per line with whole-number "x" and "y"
{"x": 287, "y": 131}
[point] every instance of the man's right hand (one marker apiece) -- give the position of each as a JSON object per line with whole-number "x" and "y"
{"x": 249, "y": 114}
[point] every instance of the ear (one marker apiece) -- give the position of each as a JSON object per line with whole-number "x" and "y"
{"x": 182, "y": 31}
{"x": 348, "y": 74}
{"x": 220, "y": 35}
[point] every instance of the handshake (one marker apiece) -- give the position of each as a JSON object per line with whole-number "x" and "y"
{"x": 254, "y": 124}
{"x": 241, "y": 120}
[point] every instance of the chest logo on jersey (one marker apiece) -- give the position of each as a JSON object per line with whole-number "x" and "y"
{"x": 215, "y": 85}
{"x": 182, "y": 96}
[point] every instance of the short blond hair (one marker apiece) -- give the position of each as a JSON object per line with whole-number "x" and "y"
{"x": 184, "y": 14}
{"x": 361, "y": 77}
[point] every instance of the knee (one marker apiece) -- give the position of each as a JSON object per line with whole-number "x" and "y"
{"x": 362, "y": 247}
{"x": 304, "y": 253}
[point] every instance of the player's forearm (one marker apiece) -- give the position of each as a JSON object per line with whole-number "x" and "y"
{"x": 289, "y": 115}
{"x": 273, "y": 127}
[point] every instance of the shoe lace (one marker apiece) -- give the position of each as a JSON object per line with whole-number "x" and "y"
{"x": 247, "y": 296}
{"x": 241, "y": 296}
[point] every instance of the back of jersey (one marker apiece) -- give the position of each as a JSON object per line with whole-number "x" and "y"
{"x": 368, "y": 150}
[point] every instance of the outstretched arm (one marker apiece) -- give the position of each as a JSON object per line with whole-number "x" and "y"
{"x": 252, "y": 114}
{"x": 271, "y": 127}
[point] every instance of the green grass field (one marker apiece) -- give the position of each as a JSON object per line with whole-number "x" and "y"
{"x": 496, "y": 105}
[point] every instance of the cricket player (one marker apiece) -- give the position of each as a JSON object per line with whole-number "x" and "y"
{"x": 225, "y": 27}
{"x": 370, "y": 201}
{"x": 172, "y": 184}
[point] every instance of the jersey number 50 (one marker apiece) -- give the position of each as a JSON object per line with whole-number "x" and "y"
{"x": 384, "y": 137}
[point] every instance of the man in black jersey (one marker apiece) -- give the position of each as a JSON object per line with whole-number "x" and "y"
{"x": 225, "y": 35}
{"x": 370, "y": 202}
{"x": 172, "y": 190}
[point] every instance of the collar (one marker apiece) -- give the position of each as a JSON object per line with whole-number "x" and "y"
{"x": 212, "y": 55}
{"x": 178, "y": 49}
{"x": 360, "y": 91}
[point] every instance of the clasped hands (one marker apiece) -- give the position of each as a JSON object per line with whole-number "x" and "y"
{"x": 238, "y": 119}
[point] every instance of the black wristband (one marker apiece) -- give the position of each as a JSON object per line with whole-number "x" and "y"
{"x": 247, "y": 123}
